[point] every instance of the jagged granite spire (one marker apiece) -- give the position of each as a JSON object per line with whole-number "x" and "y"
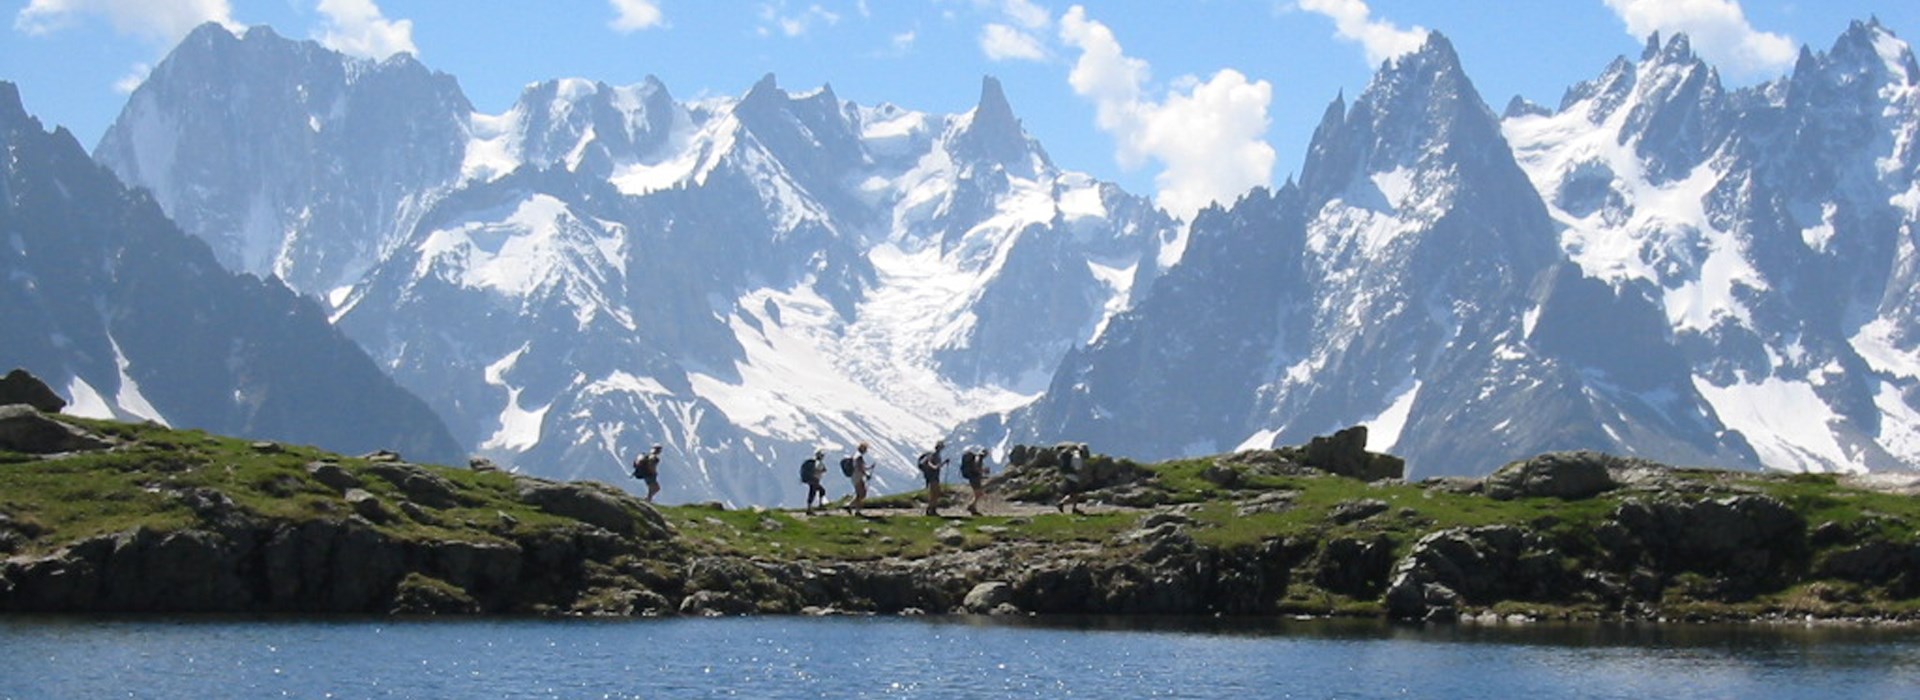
{"x": 992, "y": 133}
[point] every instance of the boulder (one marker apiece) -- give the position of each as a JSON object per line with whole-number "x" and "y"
{"x": 1564, "y": 475}
{"x": 987, "y": 596}
{"x": 20, "y": 387}
{"x": 1356, "y": 510}
{"x": 25, "y": 429}
{"x": 333, "y": 476}
{"x": 950, "y": 536}
{"x": 715, "y": 604}
{"x": 418, "y": 594}
{"x": 595, "y": 504}
{"x": 367, "y": 505}
{"x": 418, "y": 484}
{"x": 1345, "y": 453}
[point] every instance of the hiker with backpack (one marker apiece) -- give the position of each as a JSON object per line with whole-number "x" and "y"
{"x": 973, "y": 468}
{"x": 930, "y": 464}
{"x": 855, "y": 467}
{"x": 810, "y": 473}
{"x": 646, "y": 468}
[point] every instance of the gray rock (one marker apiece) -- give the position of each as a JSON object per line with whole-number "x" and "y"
{"x": 1354, "y": 567}
{"x": 1745, "y": 543}
{"x": 367, "y": 505}
{"x": 21, "y": 387}
{"x": 950, "y": 536}
{"x": 1566, "y": 475}
{"x": 333, "y": 476}
{"x": 422, "y": 595}
{"x": 1356, "y": 510}
{"x": 419, "y": 484}
{"x": 1268, "y": 502}
{"x": 987, "y": 596}
{"x": 595, "y": 504}
{"x": 1345, "y": 453}
{"x": 1478, "y": 566}
{"x": 26, "y": 430}
{"x": 715, "y": 604}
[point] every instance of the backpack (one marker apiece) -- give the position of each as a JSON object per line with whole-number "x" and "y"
{"x": 970, "y": 464}
{"x": 645, "y": 466}
{"x": 806, "y": 471}
{"x": 846, "y": 466}
{"x": 928, "y": 467}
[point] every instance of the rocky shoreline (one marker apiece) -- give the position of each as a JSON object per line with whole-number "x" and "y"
{"x": 109, "y": 517}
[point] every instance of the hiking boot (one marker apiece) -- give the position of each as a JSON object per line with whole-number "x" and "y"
{"x": 975, "y": 511}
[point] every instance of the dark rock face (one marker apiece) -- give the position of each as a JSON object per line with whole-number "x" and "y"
{"x": 20, "y": 386}
{"x": 1480, "y": 566}
{"x": 1568, "y": 475}
{"x": 24, "y": 429}
{"x": 1742, "y": 544}
{"x": 1345, "y": 453}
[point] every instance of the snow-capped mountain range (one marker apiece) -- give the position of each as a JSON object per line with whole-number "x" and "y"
{"x": 743, "y": 280}
{"x": 128, "y": 317}
{"x": 1658, "y": 266}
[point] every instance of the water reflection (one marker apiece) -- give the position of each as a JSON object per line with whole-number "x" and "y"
{"x": 944, "y": 657}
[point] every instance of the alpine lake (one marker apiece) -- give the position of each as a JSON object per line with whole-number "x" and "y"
{"x": 943, "y": 657}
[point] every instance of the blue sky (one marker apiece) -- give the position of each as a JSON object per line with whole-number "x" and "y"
{"x": 1186, "y": 100}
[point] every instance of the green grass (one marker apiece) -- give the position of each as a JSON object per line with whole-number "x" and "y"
{"x": 85, "y": 495}
{"x": 149, "y": 485}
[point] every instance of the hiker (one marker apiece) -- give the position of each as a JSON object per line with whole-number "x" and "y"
{"x": 1073, "y": 466}
{"x": 973, "y": 468}
{"x": 646, "y": 468}
{"x": 810, "y": 473}
{"x": 930, "y": 464}
{"x": 856, "y": 468}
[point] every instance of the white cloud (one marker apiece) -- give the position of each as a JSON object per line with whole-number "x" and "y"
{"x": 132, "y": 80}
{"x": 1205, "y": 134}
{"x": 1718, "y": 30}
{"x": 356, "y": 28}
{"x": 630, "y": 16}
{"x": 776, "y": 17}
{"x": 1003, "y": 43}
{"x": 161, "y": 22}
{"x": 1353, "y": 21}
{"x": 1026, "y": 14}
{"x": 903, "y": 42}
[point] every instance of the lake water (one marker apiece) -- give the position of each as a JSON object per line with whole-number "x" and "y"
{"x": 941, "y": 657}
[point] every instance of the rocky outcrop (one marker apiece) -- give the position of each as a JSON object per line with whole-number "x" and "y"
{"x": 21, "y": 387}
{"x": 594, "y": 503}
{"x": 1345, "y": 453}
{"x": 1474, "y": 566}
{"x": 1566, "y": 475}
{"x": 25, "y": 429}
{"x": 1738, "y": 545}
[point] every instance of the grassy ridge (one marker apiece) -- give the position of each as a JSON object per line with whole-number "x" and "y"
{"x": 164, "y": 480}
{"x": 142, "y": 484}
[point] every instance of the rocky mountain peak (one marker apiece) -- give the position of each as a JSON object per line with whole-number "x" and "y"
{"x": 992, "y": 133}
{"x": 1678, "y": 49}
{"x": 12, "y": 112}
